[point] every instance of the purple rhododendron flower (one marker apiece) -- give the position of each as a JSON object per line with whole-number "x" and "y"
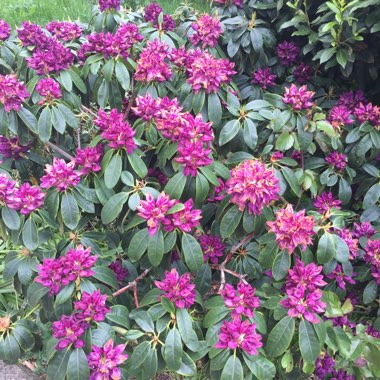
{"x": 212, "y": 248}
{"x": 239, "y": 334}
{"x": 11, "y": 148}
{"x": 49, "y": 89}
{"x": 252, "y": 185}
{"x": 341, "y": 278}
{"x": 325, "y": 202}
{"x": 6, "y": 188}
{"x": 264, "y": 78}
{"x": 368, "y": 112}
{"x": 339, "y": 116}
{"x": 218, "y": 192}
{"x": 292, "y": 229}
{"x": 324, "y": 366}
{"x": 298, "y": 98}
{"x": 92, "y": 307}
{"x": 207, "y": 30}
{"x": 363, "y": 229}
{"x": 89, "y": 158}
{"x": 60, "y": 175}
{"x": 5, "y": 30}
{"x": 26, "y": 199}
{"x": 351, "y": 242}
{"x": 287, "y": 53}
{"x": 351, "y": 99}
{"x": 64, "y": 30}
{"x": 32, "y": 35}
{"x": 117, "y": 268}
{"x": 337, "y": 160}
{"x": 106, "y": 5}
{"x": 241, "y": 301}
{"x": 302, "y": 73}
{"x": 372, "y": 257}
{"x": 12, "y": 92}
{"x": 104, "y": 361}
{"x": 178, "y": 289}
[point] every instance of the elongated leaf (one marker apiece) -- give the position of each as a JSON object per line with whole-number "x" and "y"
{"x": 77, "y": 368}
{"x": 138, "y": 165}
{"x": 10, "y": 218}
{"x": 58, "y": 365}
{"x": 30, "y": 234}
{"x": 105, "y": 275}
{"x": 308, "y": 342}
{"x": 214, "y": 109}
{"x": 122, "y": 75}
{"x": 281, "y": 265}
{"x": 229, "y": 131}
{"x": 230, "y": 221}
{"x": 192, "y": 252}
{"x": 233, "y": 369}
{"x": 156, "y": 248}
{"x": 69, "y": 210}
{"x": 176, "y": 185}
{"x": 326, "y": 248}
{"x": 173, "y": 350}
{"x": 138, "y": 245}
{"x": 113, "y": 171}
{"x": 113, "y": 207}
{"x": 44, "y": 125}
{"x": 65, "y": 294}
{"x": 280, "y": 337}
{"x": 261, "y": 367}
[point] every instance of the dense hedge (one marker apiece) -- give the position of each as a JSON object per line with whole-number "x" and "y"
{"x": 193, "y": 194}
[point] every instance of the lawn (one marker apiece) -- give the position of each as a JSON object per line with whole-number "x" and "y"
{"x": 43, "y": 11}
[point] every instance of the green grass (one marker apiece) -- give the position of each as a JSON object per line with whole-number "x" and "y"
{"x": 43, "y": 11}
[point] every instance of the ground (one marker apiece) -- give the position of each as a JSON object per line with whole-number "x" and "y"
{"x": 14, "y": 372}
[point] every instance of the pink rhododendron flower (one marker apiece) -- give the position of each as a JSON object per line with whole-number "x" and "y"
{"x": 242, "y": 300}
{"x": 106, "y": 5}
{"x": 146, "y": 107}
{"x": 337, "y": 160}
{"x": 339, "y": 116}
{"x": 252, "y": 185}
{"x": 207, "y": 30}
{"x": 12, "y": 148}
{"x": 5, "y": 30}
{"x": 104, "y": 361}
{"x": 264, "y": 78}
{"x": 69, "y": 331}
{"x": 302, "y": 73}
{"x": 49, "y": 89}
{"x": 64, "y": 30}
{"x": 368, "y": 112}
{"x": 276, "y": 156}
{"x": 154, "y": 210}
{"x": 89, "y": 158}
{"x": 372, "y": 256}
{"x": 12, "y": 92}
{"x": 152, "y": 65}
{"x": 292, "y": 229}
{"x": 298, "y": 98}
{"x": 60, "y": 175}
{"x": 152, "y": 11}
{"x": 341, "y": 278}
{"x": 239, "y": 334}
{"x": 204, "y": 71}
{"x": 287, "y": 53}
{"x": 212, "y": 248}
{"x": 178, "y": 289}
{"x": 363, "y": 229}
{"x": 116, "y": 130}
{"x": 325, "y": 202}
{"x": 6, "y": 188}
{"x": 185, "y": 220}
{"x": 26, "y": 199}
{"x": 92, "y": 307}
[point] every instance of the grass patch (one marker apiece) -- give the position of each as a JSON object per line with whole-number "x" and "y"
{"x": 43, "y": 11}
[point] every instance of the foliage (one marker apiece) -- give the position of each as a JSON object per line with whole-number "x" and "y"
{"x": 211, "y": 209}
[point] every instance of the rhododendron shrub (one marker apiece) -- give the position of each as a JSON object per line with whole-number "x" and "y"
{"x": 188, "y": 193}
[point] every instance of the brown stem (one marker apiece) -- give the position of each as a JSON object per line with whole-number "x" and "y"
{"x": 133, "y": 284}
{"x": 60, "y": 151}
{"x": 131, "y": 100}
{"x": 135, "y": 295}
{"x": 231, "y": 272}
{"x": 88, "y": 110}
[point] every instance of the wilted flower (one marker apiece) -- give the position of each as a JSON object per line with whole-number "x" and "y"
{"x": 178, "y": 289}
{"x": 264, "y": 78}
{"x": 242, "y": 300}
{"x": 152, "y": 65}
{"x": 116, "y": 130}
{"x": 207, "y": 31}
{"x": 252, "y": 185}
{"x": 69, "y": 331}
{"x": 351, "y": 242}
{"x": 11, "y": 148}
{"x": 337, "y": 160}
{"x": 64, "y": 30}
{"x": 117, "y": 268}
{"x": 89, "y": 158}
{"x": 185, "y": 220}
{"x": 299, "y": 99}
{"x": 106, "y": 5}
{"x": 12, "y": 92}
{"x": 325, "y": 202}
{"x": 292, "y": 229}
{"x": 341, "y": 278}
{"x": 287, "y": 52}
{"x": 60, "y": 175}
{"x": 154, "y": 210}
{"x": 212, "y": 248}
{"x": 5, "y": 30}
{"x": 368, "y": 112}
{"x": 104, "y": 361}
{"x": 92, "y": 307}
{"x": 239, "y": 334}
{"x": 302, "y": 73}
{"x": 339, "y": 116}
{"x": 301, "y": 303}
{"x": 6, "y": 188}
{"x": 26, "y": 199}
{"x": 49, "y": 89}
{"x": 363, "y": 229}
{"x": 204, "y": 71}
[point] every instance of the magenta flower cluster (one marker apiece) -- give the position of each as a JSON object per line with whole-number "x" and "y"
{"x": 341, "y": 278}
{"x": 32, "y": 35}
{"x": 368, "y": 112}
{"x": 207, "y": 31}
{"x": 64, "y": 30}
{"x": 337, "y": 160}
{"x": 177, "y": 289}
{"x": 69, "y": 330}
{"x": 151, "y": 13}
{"x": 242, "y": 301}
{"x": 26, "y": 199}
{"x": 372, "y": 257}
{"x": 303, "y": 296}
{"x": 298, "y": 98}
{"x": 292, "y": 229}
{"x": 60, "y": 175}
{"x": 91, "y": 307}
{"x": 89, "y": 159}
{"x": 106, "y": 5}
{"x": 252, "y": 185}
{"x": 5, "y": 30}
{"x": 302, "y": 73}
{"x": 325, "y": 202}
{"x": 155, "y": 212}
{"x": 117, "y": 268}
{"x": 49, "y": 89}
{"x": 363, "y": 229}
{"x": 111, "y": 45}
{"x": 116, "y": 130}
{"x": 287, "y": 53}
{"x": 12, "y": 148}
{"x": 104, "y": 361}
{"x": 59, "y": 272}
{"x": 6, "y": 188}
{"x": 339, "y": 116}
{"x": 264, "y": 78}
{"x": 212, "y": 248}
{"x": 238, "y": 3}
{"x": 12, "y": 92}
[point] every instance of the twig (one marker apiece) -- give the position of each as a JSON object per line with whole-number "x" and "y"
{"x": 79, "y": 132}
{"x": 133, "y": 284}
{"x": 231, "y": 272}
{"x": 60, "y": 151}
{"x": 90, "y": 111}
{"x": 131, "y": 100}
{"x": 135, "y": 295}
{"x": 222, "y": 267}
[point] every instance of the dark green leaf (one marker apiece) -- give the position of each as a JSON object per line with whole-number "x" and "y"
{"x": 30, "y": 235}
{"x": 58, "y": 365}
{"x": 230, "y": 221}
{"x": 370, "y": 292}
{"x": 105, "y": 275}
{"x": 44, "y": 125}
{"x": 261, "y": 367}
{"x": 113, "y": 207}
{"x": 173, "y": 350}
{"x": 326, "y": 248}
{"x": 138, "y": 165}
{"x": 113, "y": 171}
{"x": 156, "y": 248}
{"x": 233, "y": 369}
{"x": 280, "y": 337}
{"x": 229, "y": 131}
{"x": 122, "y": 75}
{"x": 308, "y": 342}
{"x": 10, "y": 218}
{"x": 281, "y": 265}
{"x": 69, "y": 210}
{"x": 176, "y": 185}
{"x": 192, "y": 252}
{"x": 138, "y": 245}
{"x": 77, "y": 368}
